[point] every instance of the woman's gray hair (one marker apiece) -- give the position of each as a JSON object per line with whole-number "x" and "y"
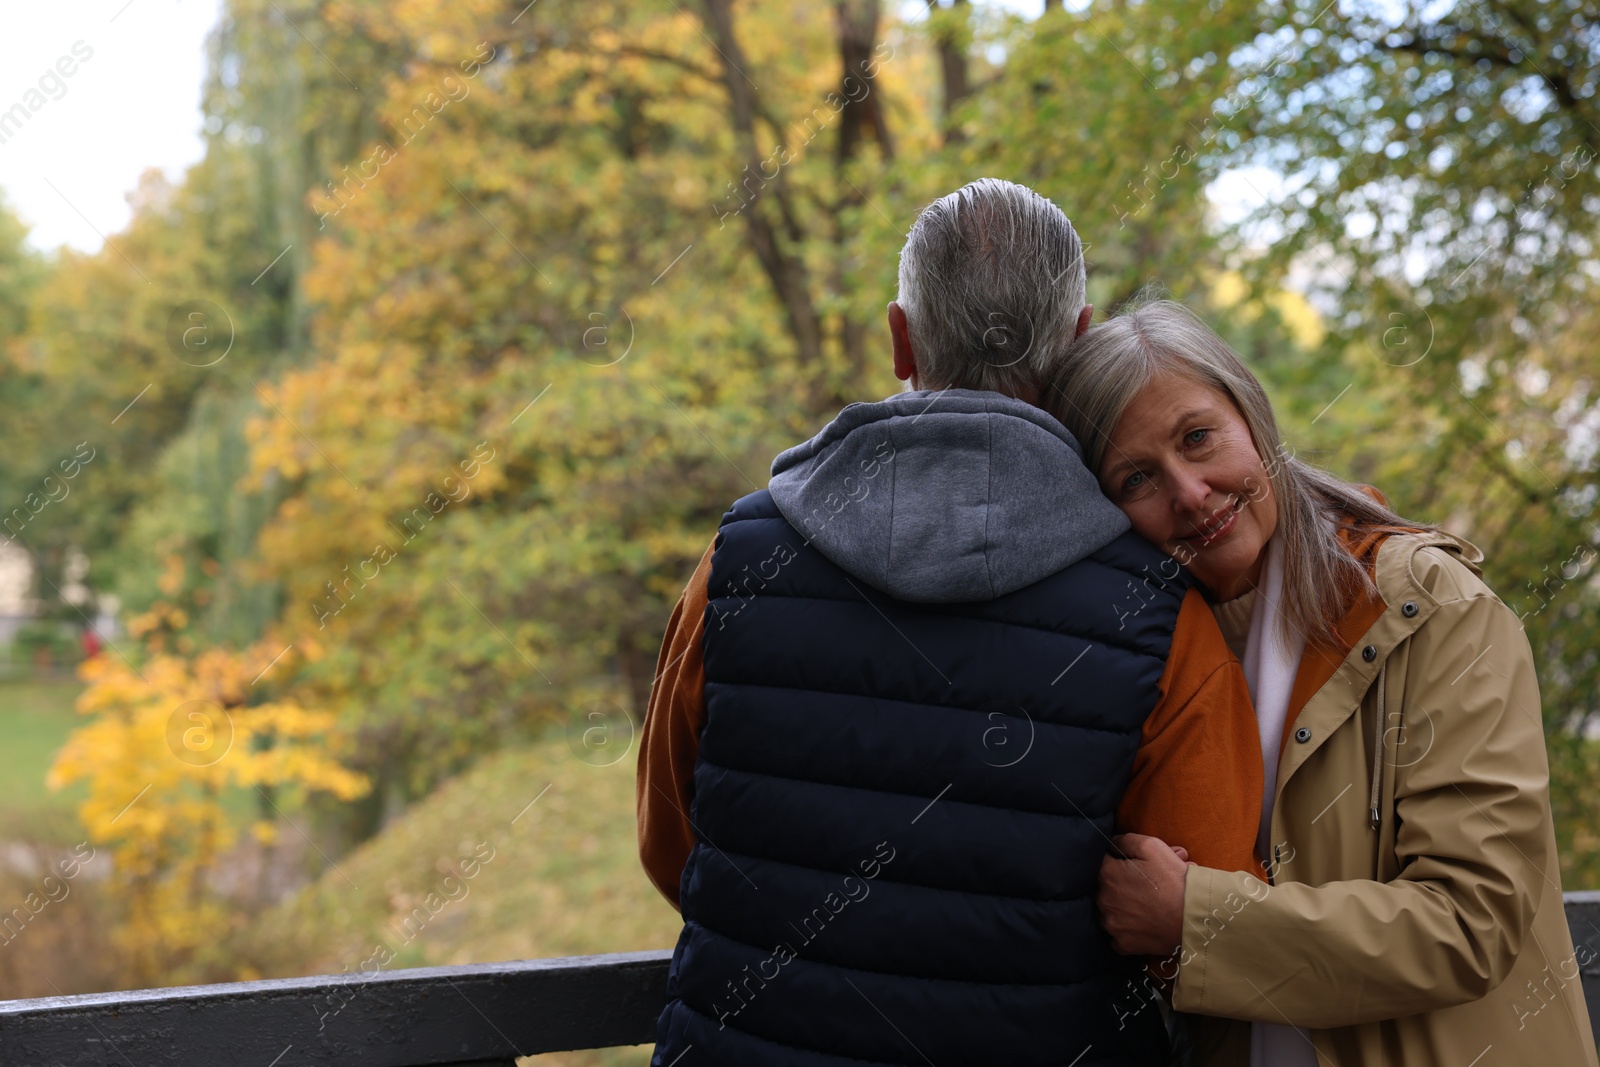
{"x": 1096, "y": 379}
{"x": 991, "y": 281}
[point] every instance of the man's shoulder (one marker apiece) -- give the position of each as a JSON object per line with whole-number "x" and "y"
{"x": 1128, "y": 551}
{"x": 755, "y": 505}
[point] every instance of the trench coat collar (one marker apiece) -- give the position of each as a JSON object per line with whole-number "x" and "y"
{"x": 1331, "y": 681}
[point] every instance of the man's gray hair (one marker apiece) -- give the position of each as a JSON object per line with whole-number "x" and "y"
{"x": 992, "y": 281}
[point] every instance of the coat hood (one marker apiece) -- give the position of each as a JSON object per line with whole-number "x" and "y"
{"x": 945, "y": 497}
{"x": 1364, "y": 543}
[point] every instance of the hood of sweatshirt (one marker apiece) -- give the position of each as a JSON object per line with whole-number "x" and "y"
{"x": 945, "y": 497}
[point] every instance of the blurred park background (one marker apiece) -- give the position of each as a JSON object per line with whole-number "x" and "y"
{"x": 347, "y": 489}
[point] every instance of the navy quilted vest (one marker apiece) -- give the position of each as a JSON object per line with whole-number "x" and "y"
{"x": 901, "y": 812}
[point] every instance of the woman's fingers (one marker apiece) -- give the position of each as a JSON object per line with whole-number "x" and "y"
{"x": 1137, "y": 846}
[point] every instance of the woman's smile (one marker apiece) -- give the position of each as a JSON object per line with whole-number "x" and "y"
{"x": 1218, "y": 528}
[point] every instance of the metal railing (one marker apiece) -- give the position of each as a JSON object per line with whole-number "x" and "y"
{"x": 473, "y": 1016}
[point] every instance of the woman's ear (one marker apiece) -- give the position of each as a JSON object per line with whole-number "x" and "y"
{"x": 1084, "y": 318}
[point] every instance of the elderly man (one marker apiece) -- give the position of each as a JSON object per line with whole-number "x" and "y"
{"x": 910, "y": 692}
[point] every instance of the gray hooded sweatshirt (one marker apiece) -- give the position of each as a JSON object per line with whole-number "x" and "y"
{"x": 945, "y": 497}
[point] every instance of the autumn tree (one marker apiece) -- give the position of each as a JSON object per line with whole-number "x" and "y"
{"x": 166, "y": 737}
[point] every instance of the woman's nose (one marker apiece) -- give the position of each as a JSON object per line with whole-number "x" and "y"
{"x": 1190, "y": 493}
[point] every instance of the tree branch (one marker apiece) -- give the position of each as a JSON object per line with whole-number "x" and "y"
{"x": 1501, "y": 53}
{"x": 785, "y": 270}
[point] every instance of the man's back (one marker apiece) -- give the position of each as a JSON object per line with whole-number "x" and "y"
{"x": 899, "y": 809}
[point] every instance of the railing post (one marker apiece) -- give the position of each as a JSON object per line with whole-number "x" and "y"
{"x": 1583, "y": 919}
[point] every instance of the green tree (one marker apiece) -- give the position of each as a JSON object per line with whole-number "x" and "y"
{"x": 1437, "y": 198}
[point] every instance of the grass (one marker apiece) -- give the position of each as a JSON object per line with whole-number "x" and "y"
{"x": 564, "y": 880}
{"x": 35, "y": 718}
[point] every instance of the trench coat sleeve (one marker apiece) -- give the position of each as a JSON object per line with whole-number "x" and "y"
{"x": 670, "y": 740}
{"x": 1472, "y": 843}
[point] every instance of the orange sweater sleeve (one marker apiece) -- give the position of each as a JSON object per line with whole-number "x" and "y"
{"x": 1197, "y": 776}
{"x": 670, "y": 740}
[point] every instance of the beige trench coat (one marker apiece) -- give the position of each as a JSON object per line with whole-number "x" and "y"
{"x": 1434, "y": 935}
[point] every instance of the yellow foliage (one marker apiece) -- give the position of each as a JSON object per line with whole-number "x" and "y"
{"x": 1231, "y": 292}
{"x": 164, "y": 740}
{"x": 171, "y": 579}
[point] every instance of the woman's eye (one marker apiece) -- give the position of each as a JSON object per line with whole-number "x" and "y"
{"x": 1133, "y": 481}
{"x": 1195, "y": 437}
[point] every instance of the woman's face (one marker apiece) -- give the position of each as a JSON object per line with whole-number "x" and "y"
{"x": 1181, "y": 464}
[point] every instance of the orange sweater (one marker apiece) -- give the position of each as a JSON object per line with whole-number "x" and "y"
{"x": 1196, "y": 780}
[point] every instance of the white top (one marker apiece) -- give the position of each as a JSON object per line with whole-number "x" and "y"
{"x": 1270, "y": 664}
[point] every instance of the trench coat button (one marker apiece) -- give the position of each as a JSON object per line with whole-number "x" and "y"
{"x": 1369, "y": 653}
{"x": 1408, "y": 609}
{"x": 1302, "y": 735}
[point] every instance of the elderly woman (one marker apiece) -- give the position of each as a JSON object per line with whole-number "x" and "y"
{"x": 1412, "y": 913}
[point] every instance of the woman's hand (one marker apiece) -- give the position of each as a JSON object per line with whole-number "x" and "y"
{"x": 1141, "y": 896}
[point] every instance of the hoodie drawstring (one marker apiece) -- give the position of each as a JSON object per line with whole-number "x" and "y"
{"x": 1377, "y": 742}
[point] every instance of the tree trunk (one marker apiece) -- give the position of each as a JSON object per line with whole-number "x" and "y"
{"x": 863, "y": 116}
{"x": 783, "y": 268}
{"x": 863, "y": 110}
{"x": 637, "y": 665}
{"x": 951, "y": 40}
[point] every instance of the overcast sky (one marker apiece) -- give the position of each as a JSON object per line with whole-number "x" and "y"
{"x": 134, "y": 103}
